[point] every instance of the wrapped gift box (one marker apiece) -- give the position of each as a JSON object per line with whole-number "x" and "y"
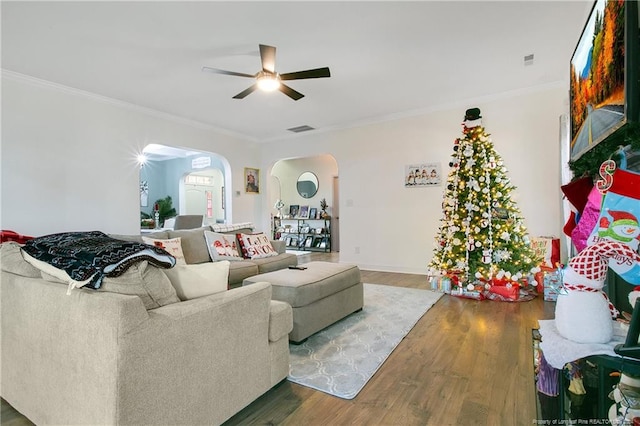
{"x": 552, "y": 283}
{"x": 509, "y": 291}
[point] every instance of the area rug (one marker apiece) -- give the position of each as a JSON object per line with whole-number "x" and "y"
{"x": 341, "y": 359}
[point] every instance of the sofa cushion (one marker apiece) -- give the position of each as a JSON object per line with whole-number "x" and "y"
{"x": 222, "y": 246}
{"x": 157, "y": 235}
{"x": 12, "y": 261}
{"x": 275, "y": 263}
{"x": 256, "y": 246}
{"x": 194, "y": 245}
{"x": 146, "y": 281}
{"x": 172, "y": 246}
{"x": 191, "y": 281}
{"x": 238, "y": 271}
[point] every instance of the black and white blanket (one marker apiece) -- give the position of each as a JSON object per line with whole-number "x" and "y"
{"x": 94, "y": 255}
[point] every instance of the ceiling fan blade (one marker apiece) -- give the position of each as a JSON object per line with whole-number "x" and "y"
{"x": 299, "y": 75}
{"x": 268, "y": 58}
{"x": 217, "y": 71}
{"x": 293, "y": 94}
{"x": 246, "y": 92}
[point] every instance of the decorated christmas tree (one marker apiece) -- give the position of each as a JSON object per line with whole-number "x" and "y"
{"x": 482, "y": 237}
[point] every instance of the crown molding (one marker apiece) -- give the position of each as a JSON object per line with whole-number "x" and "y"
{"x": 462, "y": 104}
{"x": 38, "y": 82}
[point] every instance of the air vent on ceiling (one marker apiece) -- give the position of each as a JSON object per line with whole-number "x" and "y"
{"x": 528, "y": 60}
{"x": 301, "y": 129}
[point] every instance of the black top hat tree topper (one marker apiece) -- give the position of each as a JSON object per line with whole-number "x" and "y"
{"x": 472, "y": 118}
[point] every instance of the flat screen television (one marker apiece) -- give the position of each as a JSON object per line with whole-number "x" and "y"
{"x": 605, "y": 73}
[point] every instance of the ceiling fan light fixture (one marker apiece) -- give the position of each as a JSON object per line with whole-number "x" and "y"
{"x": 268, "y": 82}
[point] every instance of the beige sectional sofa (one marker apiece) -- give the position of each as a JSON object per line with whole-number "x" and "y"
{"x": 195, "y": 251}
{"x": 102, "y": 357}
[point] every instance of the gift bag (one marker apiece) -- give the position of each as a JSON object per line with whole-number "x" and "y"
{"x": 547, "y": 249}
{"x": 618, "y": 220}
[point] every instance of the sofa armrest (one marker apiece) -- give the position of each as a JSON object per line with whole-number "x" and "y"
{"x": 279, "y": 246}
{"x": 187, "y": 350}
{"x": 280, "y": 320}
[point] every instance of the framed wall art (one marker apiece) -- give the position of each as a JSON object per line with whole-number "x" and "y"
{"x": 422, "y": 175}
{"x": 144, "y": 194}
{"x": 252, "y": 180}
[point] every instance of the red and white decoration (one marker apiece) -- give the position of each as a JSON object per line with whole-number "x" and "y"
{"x": 583, "y": 311}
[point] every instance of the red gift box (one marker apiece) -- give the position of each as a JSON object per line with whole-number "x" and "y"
{"x": 539, "y": 277}
{"x": 508, "y": 291}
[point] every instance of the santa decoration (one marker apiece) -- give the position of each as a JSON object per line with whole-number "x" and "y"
{"x": 584, "y": 313}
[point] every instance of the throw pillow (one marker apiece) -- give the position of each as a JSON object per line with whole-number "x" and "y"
{"x": 172, "y": 246}
{"x": 222, "y": 246}
{"x": 203, "y": 279}
{"x": 256, "y": 246}
{"x": 193, "y": 244}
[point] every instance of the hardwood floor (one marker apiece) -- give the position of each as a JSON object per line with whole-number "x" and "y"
{"x": 465, "y": 362}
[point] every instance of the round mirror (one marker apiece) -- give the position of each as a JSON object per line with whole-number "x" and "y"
{"x": 307, "y": 185}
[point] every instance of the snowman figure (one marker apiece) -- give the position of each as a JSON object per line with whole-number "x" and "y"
{"x": 472, "y": 118}
{"x": 622, "y": 227}
{"x": 584, "y": 314}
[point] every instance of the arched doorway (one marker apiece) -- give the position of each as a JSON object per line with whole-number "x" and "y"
{"x": 290, "y": 177}
{"x": 196, "y": 182}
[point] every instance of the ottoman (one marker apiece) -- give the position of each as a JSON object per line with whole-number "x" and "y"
{"x": 320, "y": 295}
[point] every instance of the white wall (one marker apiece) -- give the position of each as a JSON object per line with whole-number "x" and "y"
{"x": 288, "y": 171}
{"x": 68, "y": 163}
{"x": 385, "y": 226}
{"x": 69, "y": 159}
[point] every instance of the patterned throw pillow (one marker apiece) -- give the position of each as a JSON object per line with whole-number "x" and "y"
{"x": 256, "y": 246}
{"x": 172, "y": 246}
{"x": 222, "y": 246}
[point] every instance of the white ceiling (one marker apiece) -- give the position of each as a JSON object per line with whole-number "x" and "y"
{"x": 387, "y": 59}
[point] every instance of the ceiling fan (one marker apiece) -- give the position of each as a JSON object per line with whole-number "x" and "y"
{"x": 268, "y": 79}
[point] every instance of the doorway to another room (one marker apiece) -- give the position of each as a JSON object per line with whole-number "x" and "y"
{"x": 305, "y": 197}
{"x": 179, "y": 181}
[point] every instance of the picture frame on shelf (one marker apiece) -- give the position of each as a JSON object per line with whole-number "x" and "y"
{"x": 313, "y": 213}
{"x": 293, "y": 210}
{"x": 308, "y": 242}
{"x": 304, "y": 212}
